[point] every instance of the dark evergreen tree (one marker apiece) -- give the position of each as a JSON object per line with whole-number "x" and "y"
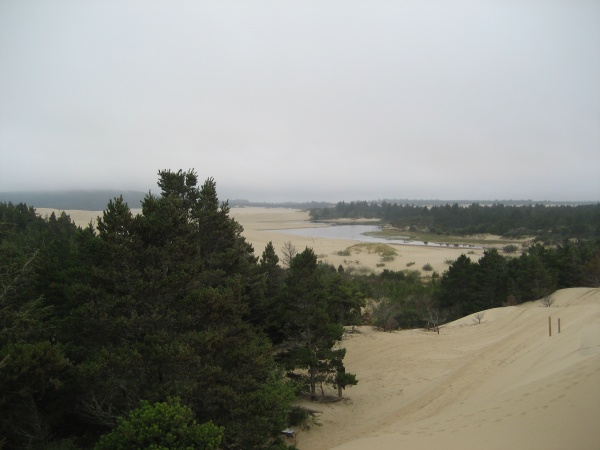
{"x": 34, "y": 372}
{"x": 533, "y": 279}
{"x": 457, "y": 288}
{"x": 168, "y": 293}
{"x": 265, "y": 313}
{"x": 491, "y": 280}
{"x": 313, "y": 310}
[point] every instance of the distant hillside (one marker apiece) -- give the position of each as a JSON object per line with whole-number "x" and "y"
{"x": 296, "y": 205}
{"x": 84, "y": 200}
{"x": 97, "y": 200}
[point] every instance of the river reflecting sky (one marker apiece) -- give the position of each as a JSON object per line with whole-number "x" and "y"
{"x": 357, "y": 233}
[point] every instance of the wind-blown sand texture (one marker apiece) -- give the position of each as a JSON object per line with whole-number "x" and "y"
{"x": 503, "y": 383}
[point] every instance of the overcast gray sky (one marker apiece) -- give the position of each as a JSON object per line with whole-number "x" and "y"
{"x": 304, "y": 100}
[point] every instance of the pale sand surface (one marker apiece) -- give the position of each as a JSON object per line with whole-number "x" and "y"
{"x": 501, "y": 384}
{"x": 262, "y": 225}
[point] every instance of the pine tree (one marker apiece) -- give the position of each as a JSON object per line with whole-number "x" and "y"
{"x": 491, "y": 281}
{"x": 34, "y": 372}
{"x": 457, "y": 288}
{"x": 313, "y": 312}
{"x": 169, "y": 294}
{"x": 264, "y": 312}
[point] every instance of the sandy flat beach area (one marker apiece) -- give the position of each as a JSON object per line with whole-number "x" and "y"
{"x": 262, "y": 225}
{"x": 504, "y": 383}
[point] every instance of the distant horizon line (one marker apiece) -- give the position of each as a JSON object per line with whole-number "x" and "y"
{"x": 53, "y": 192}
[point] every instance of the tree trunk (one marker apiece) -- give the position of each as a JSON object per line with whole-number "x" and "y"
{"x": 313, "y": 383}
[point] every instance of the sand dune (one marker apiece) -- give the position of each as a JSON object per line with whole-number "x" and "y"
{"x": 501, "y": 384}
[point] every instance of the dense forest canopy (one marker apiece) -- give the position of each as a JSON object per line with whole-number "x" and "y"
{"x": 165, "y": 329}
{"x": 554, "y": 222}
{"x": 167, "y": 313}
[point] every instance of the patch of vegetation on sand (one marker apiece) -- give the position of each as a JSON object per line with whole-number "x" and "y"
{"x": 416, "y": 235}
{"x": 386, "y": 252}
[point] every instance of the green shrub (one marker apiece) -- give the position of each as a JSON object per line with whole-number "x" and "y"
{"x": 511, "y": 248}
{"x": 427, "y": 267}
{"x": 162, "y": 426}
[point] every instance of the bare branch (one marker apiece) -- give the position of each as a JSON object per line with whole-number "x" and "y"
{"x": 548, "y": 301}
{"x": 478, "y": 317}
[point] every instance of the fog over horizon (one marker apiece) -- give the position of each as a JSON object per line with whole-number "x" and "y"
{"x": 304, "y": 100}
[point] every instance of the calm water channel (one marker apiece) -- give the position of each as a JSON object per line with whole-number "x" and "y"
{"x": 357, "y": 233}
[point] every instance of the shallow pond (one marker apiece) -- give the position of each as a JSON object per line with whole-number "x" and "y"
{"x": 357, "y": 233}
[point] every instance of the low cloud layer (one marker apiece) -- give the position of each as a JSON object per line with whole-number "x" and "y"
{"x": 304, "y": 100}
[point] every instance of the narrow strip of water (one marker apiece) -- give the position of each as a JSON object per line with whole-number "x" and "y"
{"x": 357, "y": 233}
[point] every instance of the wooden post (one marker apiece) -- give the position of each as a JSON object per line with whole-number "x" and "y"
{"x": 549, "y": 326}
{"x": 559, "y": 325}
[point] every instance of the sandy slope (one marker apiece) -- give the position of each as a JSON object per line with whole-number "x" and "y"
{"x": 501, "y": 384}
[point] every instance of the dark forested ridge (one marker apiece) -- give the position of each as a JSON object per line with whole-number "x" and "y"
{"x": 553, "y": 222}
{"x": 164, "y": 330}
{"x": 96, "y": 200}
{"x": 86, "y": 200}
